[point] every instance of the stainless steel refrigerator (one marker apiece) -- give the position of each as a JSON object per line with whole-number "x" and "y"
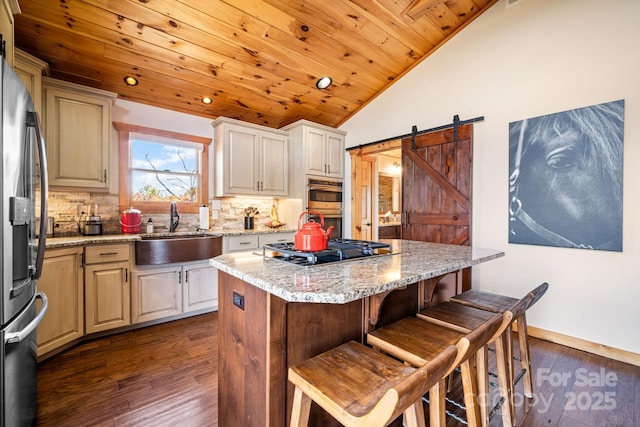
{"x": 24, "y": 169}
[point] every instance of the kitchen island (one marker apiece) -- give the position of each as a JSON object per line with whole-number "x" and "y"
{"x": 273, "y": 314}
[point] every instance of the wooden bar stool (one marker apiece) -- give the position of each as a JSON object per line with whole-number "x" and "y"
{"x": 499, "y": 304}
{"x": 359, "y": 386}
{"x": 466, "y": 319}
{"x": 417, "y": 342}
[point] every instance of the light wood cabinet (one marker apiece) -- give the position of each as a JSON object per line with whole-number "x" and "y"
{"x": 254, "y": 242}
{"x": 266, "y": 239}
{"x": 62, "y": 282}
{"x": 30, "y": 70}
{"x": 77, "y": 122}
{"x": 8, "y": 8}
{"x": 316, "y": 150}
{"x": 156, "y": 293}
{"x": 250, "y": 159}
{"x": 200, "y": 287}
{"x": 159, "y": 292}
{"x": 107, "y": 291}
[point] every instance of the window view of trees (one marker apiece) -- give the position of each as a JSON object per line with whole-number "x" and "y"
{"x": 163, "y": 171}
{"x": 159, "y": 166}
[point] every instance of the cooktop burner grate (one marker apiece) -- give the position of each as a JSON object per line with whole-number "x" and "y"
{"x": 337, "y": 250}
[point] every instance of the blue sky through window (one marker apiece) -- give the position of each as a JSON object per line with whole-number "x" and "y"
{"x": 162, "y": 170}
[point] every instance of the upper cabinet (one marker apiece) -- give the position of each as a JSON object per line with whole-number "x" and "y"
{"x": 30, "y": 70}
{"x": 250, "y": 159}
{"x": 8, "y": 8}
{"x": 316, "y": 150}
{"x": 77, "y": 122}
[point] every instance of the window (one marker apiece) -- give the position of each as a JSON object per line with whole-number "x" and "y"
{"x": 157, "y": 167}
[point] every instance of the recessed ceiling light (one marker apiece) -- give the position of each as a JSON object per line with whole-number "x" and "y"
{"x": 323, "y": 82}
{"x": 131, "y": 81}
{"x": 206, "y": 100}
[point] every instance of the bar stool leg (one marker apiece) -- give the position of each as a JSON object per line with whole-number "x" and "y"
{"x": 525, "y": 361}
{"x": 301, "y": 409}
{"x": 482, "y": 367}
{"x": 437, "y": 416}
{"x": 414, "y": 415}
{"x": 506, "y": 392}
{"x": 471, "y": 392}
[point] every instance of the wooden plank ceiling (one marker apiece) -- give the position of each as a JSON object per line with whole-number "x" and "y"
{"x": 257, "y": 59}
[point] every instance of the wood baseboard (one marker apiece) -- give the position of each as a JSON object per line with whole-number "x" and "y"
{"x": 584, "y": 345}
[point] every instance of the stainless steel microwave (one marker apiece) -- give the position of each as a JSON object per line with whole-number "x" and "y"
{"x": 324, "y": 195}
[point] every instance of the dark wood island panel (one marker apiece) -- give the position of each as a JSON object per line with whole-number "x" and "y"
{"x": 270, "y": 334}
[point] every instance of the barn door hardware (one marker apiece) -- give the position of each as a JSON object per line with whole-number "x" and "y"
{"x": 455, "y": 124}
{"x": 414, "y": 132}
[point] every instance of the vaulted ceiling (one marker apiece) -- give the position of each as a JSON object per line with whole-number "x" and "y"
{"x": 258, "y": 60}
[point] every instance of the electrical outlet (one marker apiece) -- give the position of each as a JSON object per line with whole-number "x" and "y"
{"x": 238, "y": 300}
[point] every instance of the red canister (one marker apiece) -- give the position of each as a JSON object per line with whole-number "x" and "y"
{"x": 131, "y": 219}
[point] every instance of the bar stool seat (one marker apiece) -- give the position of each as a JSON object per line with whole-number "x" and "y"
{"x": 359, "y": 386}
{"x": 466, "y": 319}
{"x": 417, "y": 342}
{"x": 497, "y": 303}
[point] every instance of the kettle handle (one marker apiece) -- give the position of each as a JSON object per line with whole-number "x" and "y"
{"x": 311, "y": 212}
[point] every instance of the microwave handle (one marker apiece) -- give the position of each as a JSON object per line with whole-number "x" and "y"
{"x": 334, "y": 189}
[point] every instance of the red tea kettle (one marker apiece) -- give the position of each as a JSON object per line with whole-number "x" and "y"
{"x": 311, "y": 236}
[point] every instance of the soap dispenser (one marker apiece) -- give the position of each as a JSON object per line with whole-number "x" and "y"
{"x": 149, "y": 226}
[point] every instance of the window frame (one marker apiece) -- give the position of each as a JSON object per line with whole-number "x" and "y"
{"x": 125, "y": 197}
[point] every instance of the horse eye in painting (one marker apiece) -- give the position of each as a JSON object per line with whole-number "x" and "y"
{"x": 562, "y": 159}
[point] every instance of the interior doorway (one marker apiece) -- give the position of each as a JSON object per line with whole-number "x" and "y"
{"x": 435, "y": 197}
{"x": 366, "y": 164}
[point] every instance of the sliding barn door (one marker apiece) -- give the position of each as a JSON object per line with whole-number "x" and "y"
{"x": 436, "y": 188}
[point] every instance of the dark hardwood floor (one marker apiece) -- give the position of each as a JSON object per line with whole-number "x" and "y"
{"x": 167, "y": 375}
{"x": 163, "y": 375}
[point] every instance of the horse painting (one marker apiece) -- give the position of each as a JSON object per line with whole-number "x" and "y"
{"x": 565, "y": 178}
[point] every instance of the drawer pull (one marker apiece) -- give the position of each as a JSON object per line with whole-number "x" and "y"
{"x": 108, "y": 253}
{"x": 245, "y": 243}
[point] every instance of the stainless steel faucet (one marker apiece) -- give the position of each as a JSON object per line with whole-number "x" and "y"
{"x": 174, "y": 218}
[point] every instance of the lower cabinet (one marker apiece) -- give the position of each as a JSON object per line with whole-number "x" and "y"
{"x": 200, "y": 288}
{"x": 159, "y": 292}
{"x": 155, "y": 293}
{"x": 104, "y": 293}
{"x": 248, "y": 242}
{"x": 106, "y": 283}
{"x": 62, "y": 282}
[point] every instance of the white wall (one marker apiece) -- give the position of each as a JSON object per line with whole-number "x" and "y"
{"x": 159, "y": 118}
{"x": 534, "y": 58}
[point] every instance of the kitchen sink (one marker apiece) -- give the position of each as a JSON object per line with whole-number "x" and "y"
{"x": 175, "y": 248}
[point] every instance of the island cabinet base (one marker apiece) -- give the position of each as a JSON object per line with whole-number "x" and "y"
{"x": 261, "y": 335}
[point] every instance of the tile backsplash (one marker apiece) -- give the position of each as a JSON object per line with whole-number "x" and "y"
{"x": 224, "y": 213}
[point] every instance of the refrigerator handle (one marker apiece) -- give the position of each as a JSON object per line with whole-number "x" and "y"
{"x": 16, "y": 337}
{"x": 34, "y": 120}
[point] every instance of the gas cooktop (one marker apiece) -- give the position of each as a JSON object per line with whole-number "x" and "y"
{"x": 338, "y": 250}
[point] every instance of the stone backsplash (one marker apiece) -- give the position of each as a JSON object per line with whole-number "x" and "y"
{"x": 224, "y": 213}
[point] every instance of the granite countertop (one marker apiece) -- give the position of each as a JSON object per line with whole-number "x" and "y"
{"x": 67, "y": 241}
{"x": 348, "y": 281}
